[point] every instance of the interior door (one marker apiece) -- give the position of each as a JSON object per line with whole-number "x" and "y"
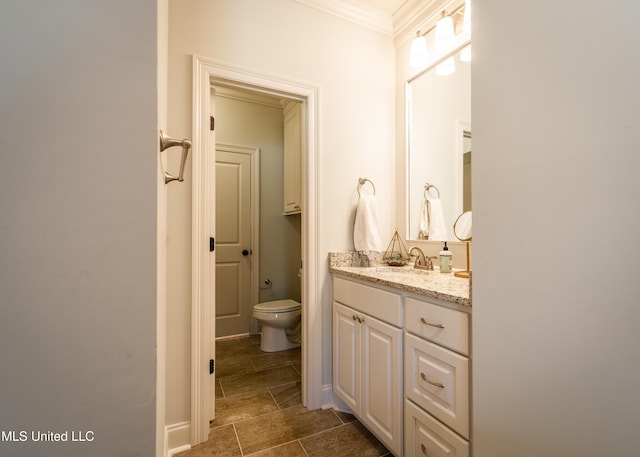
{"x": 233, "y": 243}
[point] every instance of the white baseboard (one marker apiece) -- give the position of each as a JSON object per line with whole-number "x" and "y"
{"x": 329, "y": 400}
{"x": 327, "y": 396}
{"x": 178, "y": 437}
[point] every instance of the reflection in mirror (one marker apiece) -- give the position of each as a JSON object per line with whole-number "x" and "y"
{"x": 462, "y": 226}
{"x": 466, "y": 171}
{"x": 462, "y": 231}
{"x": 439, "y": 135}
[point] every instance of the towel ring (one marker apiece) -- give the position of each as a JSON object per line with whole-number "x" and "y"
{"x": 428, "y": 186}
{"x": 362, "y": 182}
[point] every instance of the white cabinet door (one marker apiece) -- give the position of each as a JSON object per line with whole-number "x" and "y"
{"x": 292, "y": 158}
{"x": 346, "y": 360}
{"x": 381, "y": 397}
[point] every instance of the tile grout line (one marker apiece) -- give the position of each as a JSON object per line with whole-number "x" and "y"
{"x": 237, "y": 438}
{"x": 221, "y": 388}
{"x": 303, "y": 448}
{"x": 274, "y": 398}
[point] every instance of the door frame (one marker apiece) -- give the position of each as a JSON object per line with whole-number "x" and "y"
{"x": 254, "y": 259}
{"x": 207, "y": 72}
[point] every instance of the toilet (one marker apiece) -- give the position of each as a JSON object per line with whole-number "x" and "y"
{"x": 281, "y": 324}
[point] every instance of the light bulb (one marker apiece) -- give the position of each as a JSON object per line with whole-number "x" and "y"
{"x": 466, "y": 22}
{"x": 445, "y": 36}
{"x": 418, "y": 57}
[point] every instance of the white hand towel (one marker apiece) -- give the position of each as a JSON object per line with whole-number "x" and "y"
{"x": 423, "y": 223}
{"x": 366, "y": 235}
{"x": 437, "y": 228}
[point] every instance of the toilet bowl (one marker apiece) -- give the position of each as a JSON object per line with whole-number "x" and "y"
{"x": 280, "y": 321}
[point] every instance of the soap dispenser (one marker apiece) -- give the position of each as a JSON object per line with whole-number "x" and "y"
{"x": 446, "y": 259}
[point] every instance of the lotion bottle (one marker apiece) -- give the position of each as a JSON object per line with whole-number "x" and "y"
{"x": 446, "y": 259}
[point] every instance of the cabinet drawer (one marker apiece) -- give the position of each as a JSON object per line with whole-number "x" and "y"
{"x": 384, "y": 305}
{"x": 437, "y": 380}
{"x": 447, "y": 327}
{"x": 425, "y": 436}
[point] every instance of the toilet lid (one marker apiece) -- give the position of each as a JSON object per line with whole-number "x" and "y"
{"x": 277, "y": 306}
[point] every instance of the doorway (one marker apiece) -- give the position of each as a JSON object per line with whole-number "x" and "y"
{"x": 207, "y": 73}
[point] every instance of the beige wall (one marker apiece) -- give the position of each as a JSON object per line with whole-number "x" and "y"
{"x": 555, "y": 318}
{"x": 353, "y": 68}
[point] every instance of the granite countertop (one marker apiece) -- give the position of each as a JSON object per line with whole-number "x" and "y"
{"x": 434, "y": 284}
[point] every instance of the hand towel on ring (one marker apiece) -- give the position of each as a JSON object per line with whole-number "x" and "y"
{"x": 366, "y": 234}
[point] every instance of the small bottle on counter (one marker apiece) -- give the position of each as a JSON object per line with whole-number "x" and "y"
{"x": 446, "y": 259}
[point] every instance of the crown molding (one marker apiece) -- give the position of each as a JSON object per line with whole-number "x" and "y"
{"x": 354, "y": 11}
{"x": 414, "y": 15}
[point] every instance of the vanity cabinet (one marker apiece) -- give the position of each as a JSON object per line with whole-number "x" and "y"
{"x": 292, "y": 157}
{"x": 437, "y": 373}
{"x": 402, "y": 364}
{"x": 367, "y": 358}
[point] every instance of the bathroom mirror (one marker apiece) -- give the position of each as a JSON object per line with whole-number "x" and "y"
{"x": 462, "y": 226}
{"x": 462, "y": 231}
{"x": 439, "y": 141}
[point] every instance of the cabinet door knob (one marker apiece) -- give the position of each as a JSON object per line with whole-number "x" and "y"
{"x": 431, "y": 324}
{"x": 433, "y": 383}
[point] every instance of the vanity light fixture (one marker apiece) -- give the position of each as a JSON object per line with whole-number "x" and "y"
{"x": 443, "y": 42}
{"x": 445, "y": 36}
{"x": 419, "y": 56}
{"x": 466, "y": 21}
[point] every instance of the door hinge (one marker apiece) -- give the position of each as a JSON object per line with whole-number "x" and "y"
{"x": 212, "y": 244}
{"x": 211, "y": 366}
{"x": 212, "y": 123}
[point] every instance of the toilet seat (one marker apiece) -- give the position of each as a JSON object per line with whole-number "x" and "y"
{"x": 277, "y": 306}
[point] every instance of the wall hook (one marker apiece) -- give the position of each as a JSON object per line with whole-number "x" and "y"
{"x": 168, "y": 142}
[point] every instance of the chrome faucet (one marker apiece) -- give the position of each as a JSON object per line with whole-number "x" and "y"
{"x": 422, "y": 262}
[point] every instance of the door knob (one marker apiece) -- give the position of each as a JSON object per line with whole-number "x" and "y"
{"x": 245, "y": 252}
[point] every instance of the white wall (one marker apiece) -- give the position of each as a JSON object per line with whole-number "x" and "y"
{"x": 79, "y": 141}
{"x": 353, "y": 68}
{"x": 555, "y": 307}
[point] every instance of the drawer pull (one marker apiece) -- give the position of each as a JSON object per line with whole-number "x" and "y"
{"x": 426, "y": 322}
{"x": 357, "y": 318}
{"x": 424, "y": 378}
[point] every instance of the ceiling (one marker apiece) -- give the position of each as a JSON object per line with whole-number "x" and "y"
{"x": 375, "y": 14}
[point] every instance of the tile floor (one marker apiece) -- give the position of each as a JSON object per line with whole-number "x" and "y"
{"x": 259, "y": 410}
